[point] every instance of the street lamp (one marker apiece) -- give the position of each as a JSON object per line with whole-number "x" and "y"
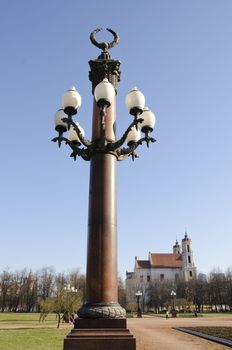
{"x": 173, "y": 295}
{"x": 101, "y": 312}
{"x": 70, "y": 289}
{"x": 138, "y": 295}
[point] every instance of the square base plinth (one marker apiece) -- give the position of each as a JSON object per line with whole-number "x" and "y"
{"x": 100, "y": 334}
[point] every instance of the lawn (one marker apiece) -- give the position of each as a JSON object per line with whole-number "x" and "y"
{"x": 216, "y": 314}
{"x": 22, "y": 331}
{"x": 205, "y": 314}
{"x": 220, "y": 332}
{"x": 14, "y": 319}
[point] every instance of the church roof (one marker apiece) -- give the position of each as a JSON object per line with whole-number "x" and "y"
{"x": 143, "y": 264}
{"x": 165, "y": 260}
{"x": 160, "y": 261}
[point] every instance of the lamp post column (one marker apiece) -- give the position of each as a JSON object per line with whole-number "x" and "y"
{"x": 101, "y": 278}
{"x": 101, "y": 275}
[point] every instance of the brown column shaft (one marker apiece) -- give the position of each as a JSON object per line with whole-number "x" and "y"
{"x": 101, "y": 279}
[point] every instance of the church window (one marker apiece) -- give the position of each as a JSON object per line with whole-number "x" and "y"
{"x": 176, "y": 276}
{"x": 189, "y": 259}
{"x": 141, "y": 277}
{"x": 148, "y": 278}
{"x": 190, "y": 273}
{"x": 161, "y": 277}
{"x": 188, "y": 248}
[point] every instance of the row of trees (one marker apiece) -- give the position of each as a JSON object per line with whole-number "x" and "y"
{"x": 45, "y": 291}
{"x": 27, "y": 291}
{"x": 212, "y": 293}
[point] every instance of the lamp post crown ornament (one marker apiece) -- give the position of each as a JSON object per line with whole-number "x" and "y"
{"x": 104, "y": 66}
{"x": 104, "y": 46}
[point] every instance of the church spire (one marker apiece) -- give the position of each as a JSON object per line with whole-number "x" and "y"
{"x": 186, "y": 235}
{"x": 177, "y": 247}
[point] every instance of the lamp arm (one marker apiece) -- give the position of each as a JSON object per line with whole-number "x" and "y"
{"x": 126, "y": 150}
{"x": 132, "y": 148}
{"x": 83, "y": 140}
{"x": 84, "y": 153}
{"x": 147, "y": 139}
{"x": 115, "y": 145}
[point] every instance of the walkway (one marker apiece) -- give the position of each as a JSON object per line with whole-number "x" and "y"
{"x": 156, "y": 333}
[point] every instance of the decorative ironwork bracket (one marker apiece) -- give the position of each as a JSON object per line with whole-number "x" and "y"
{"x": 101, "y": 145}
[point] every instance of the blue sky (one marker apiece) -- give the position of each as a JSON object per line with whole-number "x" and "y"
{"x": 179, "y": 54}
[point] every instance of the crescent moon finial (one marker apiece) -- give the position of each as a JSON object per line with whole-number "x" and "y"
{"x": 104, "y": 46}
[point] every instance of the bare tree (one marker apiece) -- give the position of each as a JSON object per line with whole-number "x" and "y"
{"x": 216, "y": 290}
{"x": 121, "y": 293}
{"x": 46, "y": 279}
{"x": 229, "y": 288}
{"x": 5, "y": 283}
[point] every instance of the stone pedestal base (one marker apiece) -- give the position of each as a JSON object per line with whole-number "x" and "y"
{"x": 100, "y": 334}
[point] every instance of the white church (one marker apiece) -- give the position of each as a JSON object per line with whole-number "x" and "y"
{"x": 164, "y": 267}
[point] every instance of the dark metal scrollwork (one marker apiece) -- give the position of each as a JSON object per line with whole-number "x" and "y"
{"x": 104, "y": 46}
{"x": 101, "y": 145}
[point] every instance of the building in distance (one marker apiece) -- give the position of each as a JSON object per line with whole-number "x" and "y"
{"x": 162, "y": 267}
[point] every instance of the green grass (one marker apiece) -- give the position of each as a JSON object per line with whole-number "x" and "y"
{"x": 170, "y": 316}
{"x": 178, "y": 315}
{"x": 22, "y": 331}
{"x": 221, "y": 332}
{"x": 217, "y": 314}
{"x": 32, "y": 339}
{"x": 25, "y": 320}
{"x": 205, "y": 314}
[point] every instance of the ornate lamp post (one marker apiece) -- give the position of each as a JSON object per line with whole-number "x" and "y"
{"x": 173, "y": 295}
{"x": 138, "y": 295}
{"x": 101, "y": 319}
{"x": 71, "y": 289}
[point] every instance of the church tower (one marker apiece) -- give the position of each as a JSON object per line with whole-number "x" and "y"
{"x": 189, "y": 268}
{"x": 177, "y": 248}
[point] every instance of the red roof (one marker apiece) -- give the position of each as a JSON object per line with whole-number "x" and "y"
{"x": 143, "y": 264}
{"x": 166, "y": 260}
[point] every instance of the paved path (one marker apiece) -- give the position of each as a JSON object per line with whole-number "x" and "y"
{"x": 156, "y": 333}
